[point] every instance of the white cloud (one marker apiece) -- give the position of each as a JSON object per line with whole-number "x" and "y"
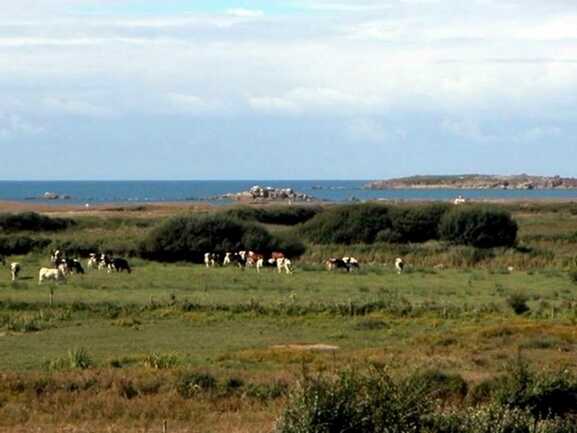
{"x": 245, "y": 13}
{"x": 12, "y": 126}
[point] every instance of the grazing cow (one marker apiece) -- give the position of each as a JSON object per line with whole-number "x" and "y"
{"x": 92, "y": 262}
{"x": 56, "y": 257}
{"x": 74, "y": 266}
{"x": 119, "y": 264}
{"x": 399, "y": 265}
{"x": 227, "y": 259}
{"x": 105, "y": 263}
{"x": 211, "y": 259}
{"x": 47, "y": 274}
{"x": 239, "y": 259}
{"x": 352, "y": 263}
{"x": 284, "y": 264}
{"x": 334, "y": 263}
{"x": 15, "y": 270}
{"x": 277, "y": 255}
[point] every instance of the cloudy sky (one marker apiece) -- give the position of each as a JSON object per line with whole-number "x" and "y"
{"x": 286, "y": 89}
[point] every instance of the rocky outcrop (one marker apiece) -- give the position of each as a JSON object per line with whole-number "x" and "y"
{"x": 476, "y": 181}
{"x": 51, "y": 196}
{"x": 268, "y": 194}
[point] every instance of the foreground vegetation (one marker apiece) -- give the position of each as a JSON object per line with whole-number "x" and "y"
{"x": 467, "y": 338}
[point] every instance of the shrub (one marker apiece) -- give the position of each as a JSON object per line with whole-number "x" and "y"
{"x": 282, "y": 215}
{"x": 443, "y": 385}
{"x": 480, "y": 227}
{"x": 190, "y": 384}
{"x": 518, "y": 302}
{"x": 158, "y": 361}
{"x": 31, "y": 221}
{"x": 416, "y": 223}
{"x": 187, "y": 238}
{"x": 351, "y": 224}
{"x": 545, "y": 395}
{"x": 355, "y": 403}
{"x": 20, "y": 245}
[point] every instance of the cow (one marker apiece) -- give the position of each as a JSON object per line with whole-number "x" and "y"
{"x": 399, "y": 265}
{"x": 15, "y": 270}
{"x": 119, "y": 264}
{"x": 284, "y": 264}
{"x": 47, "y": 274}
{"x": 211, "y": 259}
{"x": 92, "y": 262}
{"x": 105, "y": 263}
{"x": 56, "y": 257}
{"x": 238, "y": 259}
{"x": 74, "y": 266}
{"x": 261, "y": 262}
{"x": 277, "y": 255}
{"x": 334, "y": 263}
{"x": 351, "y": 262}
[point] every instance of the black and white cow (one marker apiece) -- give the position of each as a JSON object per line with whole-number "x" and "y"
{"x": 119, "y": 264}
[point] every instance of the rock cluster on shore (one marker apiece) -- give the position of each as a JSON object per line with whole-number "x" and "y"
{"x": 51, "y": 196}
{"x": 268, "y": 193}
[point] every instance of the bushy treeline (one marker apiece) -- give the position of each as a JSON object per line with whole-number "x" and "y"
{"x": 521, "y": 402}
{"x": 31, "y": 221}
{"x": 282, "y": 215}
{"x": 187, "y": 238}
{"x": 477, "y": 226}
{"x": 21, "y": 245}
{"x": 17, "y": 245}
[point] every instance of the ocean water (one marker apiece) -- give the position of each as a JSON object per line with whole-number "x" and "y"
{"x": 95, "y": 192}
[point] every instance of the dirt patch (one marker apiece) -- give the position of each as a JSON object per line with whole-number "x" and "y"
{"x": 307, "y": 347}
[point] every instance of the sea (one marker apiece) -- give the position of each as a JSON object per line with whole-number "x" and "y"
{"x": 125, "y": 192}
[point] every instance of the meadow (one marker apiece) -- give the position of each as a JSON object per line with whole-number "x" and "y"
{"x": 220, "y": 349}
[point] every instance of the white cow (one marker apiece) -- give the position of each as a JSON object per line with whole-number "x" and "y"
{"x": 284, "y": 264}
{"x": 399, "y": 265}
{"x": 15, "y": 270}
{"x": 92, "y": 263}
{"x": 54, "y": 274}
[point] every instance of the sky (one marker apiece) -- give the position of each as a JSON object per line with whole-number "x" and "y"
{"x": 286, "y": 89}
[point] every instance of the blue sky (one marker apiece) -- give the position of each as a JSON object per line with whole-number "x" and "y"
{"x": 368, "y": 89}
{"x": 173, "y": 7}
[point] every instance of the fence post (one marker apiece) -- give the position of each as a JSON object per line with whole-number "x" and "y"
{"x": 51, "y": 295}
{"x": 165, "y": 426}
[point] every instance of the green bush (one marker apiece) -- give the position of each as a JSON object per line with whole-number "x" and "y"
{"x": 188, "y": 238}
{"x": 282, "y": 215}
{"x": 353, "y": 402}
{"x": 31, "y": 221}
{"x": 518, "y": 302}
{"x": 190, "y": 384}
{"x": 443, "y": 385}
{"x": 351, "y": 224}
{"x": 416, "y": 223}
{"x": 480, "y": 227}
{"x": 19, "y": 245}
{"x": 545, "y": 395}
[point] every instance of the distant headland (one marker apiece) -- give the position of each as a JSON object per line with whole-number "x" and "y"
{"x": 476, "y": 181}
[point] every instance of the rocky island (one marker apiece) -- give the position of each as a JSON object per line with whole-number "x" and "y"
{"x": 476, "y": 181}
{"x": 268, "y": 194}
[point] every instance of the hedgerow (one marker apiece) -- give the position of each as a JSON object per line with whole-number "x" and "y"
{"x": 188, "y": 238}
{"x": 31, "y": 221}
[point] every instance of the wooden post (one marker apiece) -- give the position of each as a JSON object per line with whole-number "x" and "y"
{"x": 51, "y": 295}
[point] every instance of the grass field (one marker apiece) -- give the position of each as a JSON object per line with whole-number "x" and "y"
{"x": 110, "y": 352}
